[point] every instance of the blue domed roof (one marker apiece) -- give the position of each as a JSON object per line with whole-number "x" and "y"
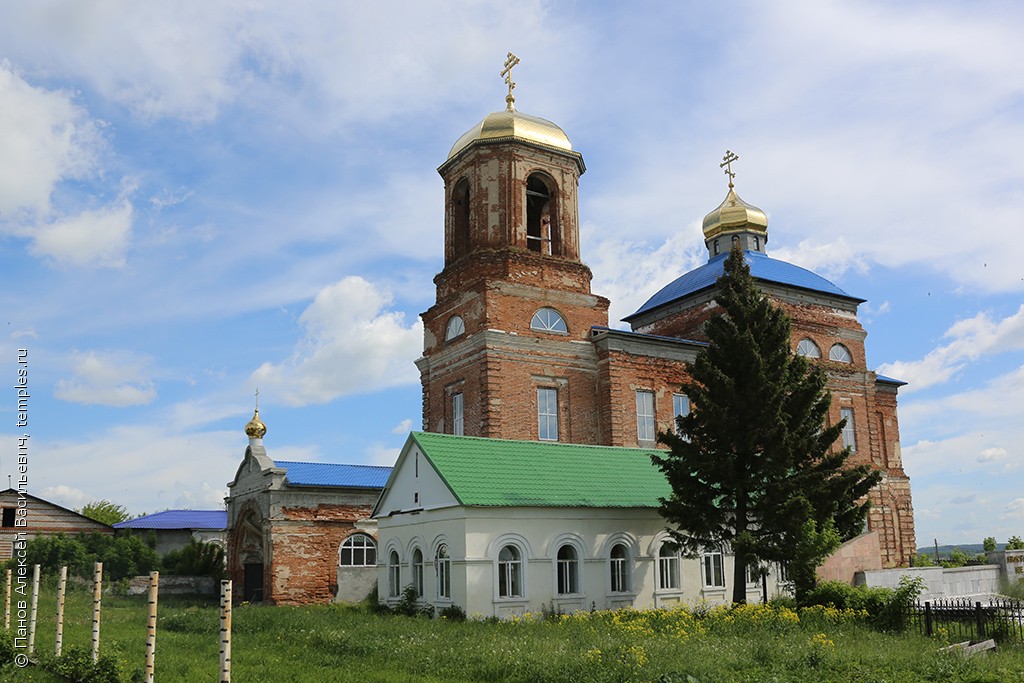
{"x": 762, "y": 267}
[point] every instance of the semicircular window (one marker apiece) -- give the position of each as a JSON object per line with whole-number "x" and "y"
{"x": 456, "y": 326}
{"x": 840, "y": 354}
{"x": 808, "y": 348}
{"x": 548, "y": 320}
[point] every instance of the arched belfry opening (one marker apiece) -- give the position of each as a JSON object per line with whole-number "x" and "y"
{"x": 460, "y": 220}
{"x": 542, "y": 229}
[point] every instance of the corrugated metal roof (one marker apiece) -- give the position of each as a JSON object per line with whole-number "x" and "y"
{"x": 495, "y": 472}
{"x": 890, "y": 380}
{"x": 334, "y": 474}
{"x": 762, "y": 267}
{"x": 179, "y": 519}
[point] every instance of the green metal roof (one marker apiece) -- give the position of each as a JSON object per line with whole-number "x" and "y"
{"x": 496, "y": 472}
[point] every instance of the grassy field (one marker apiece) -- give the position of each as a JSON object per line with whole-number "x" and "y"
{"x": 333, "y": 643}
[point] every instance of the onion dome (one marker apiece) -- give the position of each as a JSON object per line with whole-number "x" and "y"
{"x": 514, "y": 125}
{"x": 255, "y": 429}
{"x": 735, "y": 215}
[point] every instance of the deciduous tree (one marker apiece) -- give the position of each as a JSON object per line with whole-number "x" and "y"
{"x": 754, "y": 467}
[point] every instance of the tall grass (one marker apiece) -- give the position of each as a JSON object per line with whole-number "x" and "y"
{"x": 337, "y": 643}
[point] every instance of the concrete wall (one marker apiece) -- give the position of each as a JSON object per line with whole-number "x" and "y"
{"x": 940, "y": 582}
{"x": 175, "y": 585}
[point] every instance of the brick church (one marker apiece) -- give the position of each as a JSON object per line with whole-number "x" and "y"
{"x": 518, "y": 348}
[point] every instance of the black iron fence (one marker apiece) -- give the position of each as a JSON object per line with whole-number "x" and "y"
{"x": 964, "y": 619}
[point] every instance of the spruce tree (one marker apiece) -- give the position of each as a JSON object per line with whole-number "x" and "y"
{"x": 754, "y": 467}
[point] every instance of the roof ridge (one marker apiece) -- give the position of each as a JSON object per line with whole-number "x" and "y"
{"x": 531, "y": 443}
{"x": 335, "y": 464}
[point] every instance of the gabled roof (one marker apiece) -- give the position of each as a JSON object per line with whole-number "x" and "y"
{"x": 496, "y": 472}
{"x": 762, "y": 267}
{"x": 334, "y": 474}
{"x": 179, "y": 519}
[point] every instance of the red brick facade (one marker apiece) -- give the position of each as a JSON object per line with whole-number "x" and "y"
{"x": 495, "y": 279}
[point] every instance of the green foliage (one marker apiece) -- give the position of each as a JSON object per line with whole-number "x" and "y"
{"x": 452, "y": 613}
{"x": 122, "y": 555}
{"x": 923, "y": 560}
{"x": 754, "y": 466}
{"x": 957, "y": 558}
{"x": 989, "y": 544}
{"x": 76, "y": 665}
{"x": 105, "y": 512}
{"x": 1015, "y": 543}
{"x": 886, "y": 608}
{"x": 195, "y": 559}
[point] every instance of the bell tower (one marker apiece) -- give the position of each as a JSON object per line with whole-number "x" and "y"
{"x": 502, "y": 342}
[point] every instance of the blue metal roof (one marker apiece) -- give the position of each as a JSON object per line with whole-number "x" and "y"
{"x": 762, "y": 267}
{"x": 334, "y": 474}
{"x": 179, "y": 519}
{"x": 890, "y": 380}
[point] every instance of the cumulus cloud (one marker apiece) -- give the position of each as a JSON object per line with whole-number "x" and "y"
{"x": 403, "y": 427}
{"x": 971, "y": 339}
{"x": 352, "y": 344}
{"x": 68, "y": 496}
{"x": 992, "y": 455}
{"x": 91, "y": 238}
{"x": 109, "y": 379}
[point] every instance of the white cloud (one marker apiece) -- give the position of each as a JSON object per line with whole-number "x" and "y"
{"x": 972, "y": 338}
{"x": 378, "y": 454}
{"x": 68, "y": 496}
{"x": 1015, "y": 508}
{"x": 352, "y": 344}
{"x": 45, "y": 138}
{"x": 107, "y": 378}
{"x": 992, "y": 455}
{"x": 403, "y": 427}
{"x": 92, "y": 238}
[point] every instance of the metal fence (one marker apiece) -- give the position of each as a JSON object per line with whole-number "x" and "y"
{"x": 963, "y": 619}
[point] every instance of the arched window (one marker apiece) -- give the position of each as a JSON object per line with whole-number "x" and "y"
{"x": 808, "y": 348}
{"x": 417, "y": 572}
{"x": 456, "y": 327}
{"x": 668, "y": 567}
{"x": 735, "y": 242}
{"x": 715, "y": 245}
{"x": 510, "y": 572}
{"x": 394, "y": 575}
{"x": 568, "y": 570}
{"x": 460, "y": 226}
{"x": 619, "y": 564}
{"x": 548, "y": 320}
{"x": 542, "y": 233}
{"x": 840, "y": 354}
{"x": 443, "y": 565}
{"x": 358, "y": 550}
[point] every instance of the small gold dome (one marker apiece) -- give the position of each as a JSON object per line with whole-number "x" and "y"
{"x": 255, "y": 429}
{"x": 514, "y": 125}
{"x": 734, "y": 215}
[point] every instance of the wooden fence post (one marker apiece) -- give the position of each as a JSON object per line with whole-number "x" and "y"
{"x": 154, "y": 589}
{"x": 32, "y": 613}
{"x": 97, "y": 594}
{"x": 928, "y": 618}
{"x": 7, "y": 603}
{"x": 58, "y": 642}
{"x": 979, "y": 619}
{"x": 225, "y": 631}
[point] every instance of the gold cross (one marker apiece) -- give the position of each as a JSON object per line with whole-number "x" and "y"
{"x": 510, "y": 62}
{"x": 727, "y": 165}
{"x": 257, "y": 398}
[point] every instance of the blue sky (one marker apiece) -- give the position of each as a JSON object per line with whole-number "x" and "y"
{"x": 198, "y": 198}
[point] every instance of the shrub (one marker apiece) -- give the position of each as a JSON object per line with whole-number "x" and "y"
{"x": 76, "y": 665}
{"x": 453, "y": 613}
{"x": 195, "y": 559}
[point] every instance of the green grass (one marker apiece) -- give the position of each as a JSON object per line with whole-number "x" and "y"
{"x": 335, "y": 643}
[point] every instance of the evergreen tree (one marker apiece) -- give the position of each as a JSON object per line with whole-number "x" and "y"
{"x": 754, "y": 467}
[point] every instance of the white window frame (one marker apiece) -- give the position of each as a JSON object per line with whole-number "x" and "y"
{"x": 567, "y": 571}
{"x": 668, "y": 567}
{"x": 712, "y": 569}
{"x": 416, "y": 565}
{"x": 547, "y": 414}
{"x": 619, "y": 569}
{"x": 458, "y": 416}
{"x": 645, "y": 425}
{"x": 358, "y": 546}
{"x": 807, "y": 348}
{"x": 443, "y": 567}
{"x": 680, "y": 408}
{"x": 849, "y": 430}
{"x": 394, "y": 574}
{"x": 456, "y": 328}
{"x": 753, "y": 573}
{"x": 547, "y": 319}
{"x": 840, "y": 354}
{"x": 510, "y": 577}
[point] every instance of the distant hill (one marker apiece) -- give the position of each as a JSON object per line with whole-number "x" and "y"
{"x": 945, "y": 550}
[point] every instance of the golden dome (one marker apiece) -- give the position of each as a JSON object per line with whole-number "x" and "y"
{"x": 511, "y": 124}
{"x": 255, "y": 429}
{"x": 733, "y": 215}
